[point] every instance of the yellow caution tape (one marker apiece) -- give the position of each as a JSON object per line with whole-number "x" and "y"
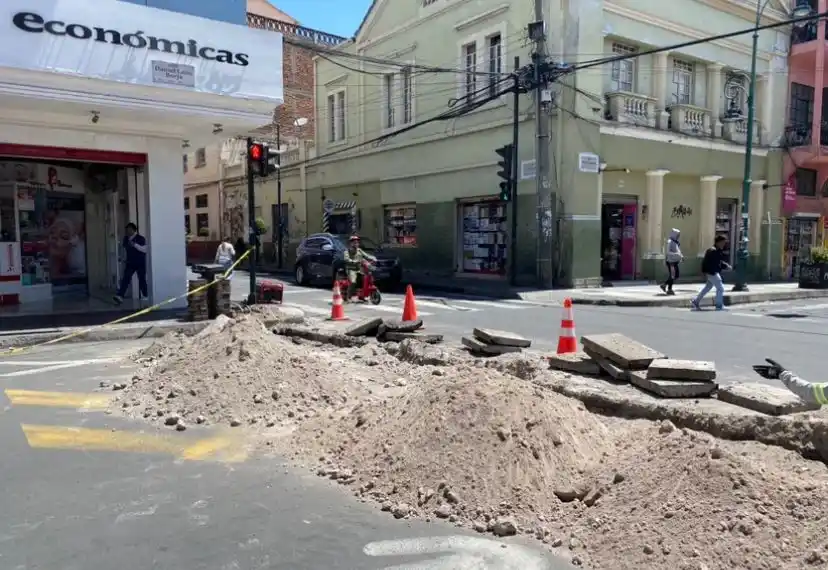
{"x": 14, "y": 351}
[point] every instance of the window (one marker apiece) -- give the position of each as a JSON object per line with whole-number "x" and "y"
{"x": 187, "y": 203}
{"x": 187, "y": 224}
{"x": 736, "y": 91}
{"x": 407, "y": 88}
{"x": 470, "y": 68}
{"x": 185, "y": 163}
{"x": 401, "y": 224}
{"x": 388, "y": 107}
{"x": 495, "y": 63}
{"x": 201, "y": 157}
{"x": 801, "y": 112}
{"x": 201, "y": 200}
{"x": 336, "y": 116}
{"x": 806, "y": 182}
{"x": 682, "y": 82}
{"x": 623, "y": 72}
{"x": 203, "y": 224}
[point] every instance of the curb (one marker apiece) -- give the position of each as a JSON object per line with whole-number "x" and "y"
{"x": 729, "y": 300}
{"x": 103, "y": 335}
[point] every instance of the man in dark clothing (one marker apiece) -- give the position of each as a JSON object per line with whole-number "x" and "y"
{"x": 135, "y": 246}
{"x": 712, "y": 266}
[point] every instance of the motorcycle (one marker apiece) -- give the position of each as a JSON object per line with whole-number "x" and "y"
{"x": 368, "y": 291}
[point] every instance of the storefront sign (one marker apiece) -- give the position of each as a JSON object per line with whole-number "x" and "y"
{"x": 173, "y": 74}
{"x": 789, "y": 195}
{"x": 120, "y": 41}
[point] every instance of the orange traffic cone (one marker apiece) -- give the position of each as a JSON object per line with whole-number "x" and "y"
{"x": 410, "y": 306}
{"x": 337, "y": 309}
{"x": 567, "y": 341}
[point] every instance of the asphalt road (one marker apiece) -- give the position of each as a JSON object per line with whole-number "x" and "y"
{"x": 88, "y": 491}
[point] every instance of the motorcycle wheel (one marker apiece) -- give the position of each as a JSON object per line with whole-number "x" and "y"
{"x": 376, "y": 297}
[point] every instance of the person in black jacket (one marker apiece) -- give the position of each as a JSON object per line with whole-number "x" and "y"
{"x": 712, "y": 266}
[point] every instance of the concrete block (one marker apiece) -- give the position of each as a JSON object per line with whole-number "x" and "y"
{"x": 490, "y": 349}
{"x": 366, "y": 327}
{"x": 501, "y": 338}
{"x": 621, "y": 350}
{"x": 670, "y": 369}
{"x": 672, "y": 388}
{"x": 616, "y": 372}
{"x": 771, "y": 400}
{"x": 397, "y": 325}
{"x": 575, "y": 362}
{"x": 392, "y": 336}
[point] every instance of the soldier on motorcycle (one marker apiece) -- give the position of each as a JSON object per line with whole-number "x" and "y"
{"x": 354, "y": 258}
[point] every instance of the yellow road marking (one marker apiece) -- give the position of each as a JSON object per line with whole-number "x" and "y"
{"x": 58, "y": 399}
{"x": 222, "y": 448}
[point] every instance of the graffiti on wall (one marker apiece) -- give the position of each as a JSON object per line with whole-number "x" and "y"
{"x": 681, "y": 211}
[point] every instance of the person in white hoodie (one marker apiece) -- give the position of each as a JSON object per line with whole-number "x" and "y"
{"x": 673, "y": 257}
{"x": 225, "y": 255}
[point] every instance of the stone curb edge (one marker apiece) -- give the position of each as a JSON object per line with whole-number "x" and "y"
{"x": 729, "y": 300}
{"x": 110, "y": 334}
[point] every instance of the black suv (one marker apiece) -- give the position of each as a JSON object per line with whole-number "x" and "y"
{"x": 320, "y": 256}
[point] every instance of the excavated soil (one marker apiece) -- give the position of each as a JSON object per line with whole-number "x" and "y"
{"x": 478, "y": 445}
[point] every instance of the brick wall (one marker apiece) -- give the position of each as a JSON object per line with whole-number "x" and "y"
{"x": 298, "y": 78}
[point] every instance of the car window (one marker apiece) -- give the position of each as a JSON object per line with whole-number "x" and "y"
{"x": 313, "y": 243}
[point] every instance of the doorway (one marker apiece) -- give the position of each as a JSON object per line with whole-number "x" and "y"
{"x": 618, "y": 240}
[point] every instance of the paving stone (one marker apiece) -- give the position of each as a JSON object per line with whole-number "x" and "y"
{"x": 771, "y": 400}
{"x": 621, "y": 350}
{"x": 501, "y": 338}
{"x": 576, "y": 362}
{"x": 672, "y": 388}
{"x": 670, "y": 369}
{"x": 610, "y": 368}
{"x": 365, "y": 327}
{"x": 491, "y": 349}
{"x": 397, "y": 325}
{"x": 393, "y": 336}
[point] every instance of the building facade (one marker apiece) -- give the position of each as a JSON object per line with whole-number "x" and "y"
{"x": 668, "y": 130}
{"x": 96, "y": 102}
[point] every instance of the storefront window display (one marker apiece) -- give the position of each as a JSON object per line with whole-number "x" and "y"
{"x": 483, "y": 227}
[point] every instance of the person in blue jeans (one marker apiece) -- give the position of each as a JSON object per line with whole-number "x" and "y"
{"x": 713, "y": 264}
{"x": 135, "y": 246}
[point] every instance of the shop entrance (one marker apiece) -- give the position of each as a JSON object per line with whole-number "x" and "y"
{"x": 800, "y": 237}
{"x": 618, "y": 240}
{"x": 483, "y": 243}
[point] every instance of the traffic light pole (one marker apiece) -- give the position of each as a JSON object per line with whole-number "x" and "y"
{"x": 515, "y": 176}
{"x": 279, "y": 229}
{"x": 251, "y": 216}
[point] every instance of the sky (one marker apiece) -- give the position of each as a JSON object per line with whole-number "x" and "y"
{"x": 339, "y": 17}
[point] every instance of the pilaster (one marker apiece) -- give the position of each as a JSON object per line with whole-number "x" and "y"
{"x": 714, "y": 96}
{"x": 661, "y": 68}
{"x": 655, "y": 213}
{"x": 764, "y": 89}
{"x": 707, "y": 211}
{"x": 756, "y": 214}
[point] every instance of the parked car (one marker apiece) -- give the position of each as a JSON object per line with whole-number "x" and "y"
{"x": 320, "y": 256}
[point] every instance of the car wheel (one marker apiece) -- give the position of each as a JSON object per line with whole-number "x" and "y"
{"x": 300, "y": 275}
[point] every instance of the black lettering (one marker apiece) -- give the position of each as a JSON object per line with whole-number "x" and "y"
{"x": 242, "y": 59}
{"x": 224, "y": 56}
{"x": 192, "y": 48}
{"x": 160, "y": 44}
{"x": 55, "y": 28}
{"x": 206, "y": 53}
{"x": 28, "y": 22}
{"x": 108, "y": 36}
{"x": 78, "y": 32}
{"x": 135, "y": 40}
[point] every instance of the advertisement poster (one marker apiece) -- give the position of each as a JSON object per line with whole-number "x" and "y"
{"x": 65, "y": 221}
{"x": 789, "y": 195}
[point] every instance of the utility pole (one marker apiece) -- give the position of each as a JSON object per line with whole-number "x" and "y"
{"x": 537, "y": 32}
{"x": 279, "y": 259}
{"x": 251, "y": 222}
{"x": 515, "y": 175}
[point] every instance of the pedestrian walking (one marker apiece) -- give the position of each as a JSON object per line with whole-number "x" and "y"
{"x": 135, "y": 248}
{"x": 673, "y": 257}
{"x": 810, "y": 392}
{"x": 225, "y": 255}
{"x": 713, "y": 264}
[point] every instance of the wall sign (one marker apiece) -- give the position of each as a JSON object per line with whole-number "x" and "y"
{"x": 129, "y": 43}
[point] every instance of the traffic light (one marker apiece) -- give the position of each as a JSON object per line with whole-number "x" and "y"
{"x": 262, "y": 159}
{"x": 505, "y": 172}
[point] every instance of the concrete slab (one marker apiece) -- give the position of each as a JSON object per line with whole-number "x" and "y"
{"x": 621, "y": 350}
{"x": 393, "y": 336}
{"x": 397, "y": 325}
{"x": 490, "y": 349}
{"x": 671, "y": 369}
{"x": 366, "y": 327}
{"x": 575, "y": 362}
{"x": 770, "y": 400}
{"x": 501, "y": 338}
{"x": 605, "y": 365}
{"x": 672, "y": 388}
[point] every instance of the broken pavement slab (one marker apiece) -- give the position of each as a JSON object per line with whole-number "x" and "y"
{"x": 672, "y": 388}
{"x": 393, "y": 336}
{"x": 490, "y": 349}
{"x": 366, "y": 327}
{"x": 575, "y": 362}
{"x": 501, "y": 338}
{"x": 770, "y": 400}
{"x": 672, "y": 369}
{"x": 616, "y": 372}
{"x": 397, "y": 325}
{"x": 621, "y": 350}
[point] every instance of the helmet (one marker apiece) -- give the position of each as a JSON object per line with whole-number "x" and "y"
{"x": 353, "y": 239}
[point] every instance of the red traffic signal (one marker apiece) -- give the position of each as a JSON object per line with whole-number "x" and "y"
{"x": 256, "y": 152}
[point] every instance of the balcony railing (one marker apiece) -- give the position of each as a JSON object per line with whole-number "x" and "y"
{"x": 797, "y": 135}
{"x": 735, "y": 130}
{"x": 804, "y": 34}
{"x": 294, "y": 30}
{"x": 631, "y": 108}
{"x": 691, "y": 120}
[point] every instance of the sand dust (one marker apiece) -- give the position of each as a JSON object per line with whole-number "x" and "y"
{"x": 480, "y": 447}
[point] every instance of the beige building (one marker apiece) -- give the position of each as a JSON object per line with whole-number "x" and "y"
{"x": 668, "y": 131}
